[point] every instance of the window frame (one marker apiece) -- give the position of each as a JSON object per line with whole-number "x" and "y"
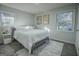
{"x": 12, "y": 14}
{"x": 73, "y": 20}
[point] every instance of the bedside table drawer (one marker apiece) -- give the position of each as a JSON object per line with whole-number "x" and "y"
{"x": 7, "y": 41}
{"x": 6, "y": 36}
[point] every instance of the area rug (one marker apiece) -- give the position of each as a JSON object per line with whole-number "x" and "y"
{"x": 52, "y": 49}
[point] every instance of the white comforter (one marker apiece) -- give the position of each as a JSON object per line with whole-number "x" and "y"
{"x": 28, "y": 38}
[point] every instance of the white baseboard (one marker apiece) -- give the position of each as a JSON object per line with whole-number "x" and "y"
{"x": 64, "y": 41}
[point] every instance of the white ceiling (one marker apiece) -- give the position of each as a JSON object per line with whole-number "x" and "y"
{"x": 34, "y": 7}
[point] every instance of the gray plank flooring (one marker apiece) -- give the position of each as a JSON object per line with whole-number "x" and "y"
{"x": 10, "y": 49}
{"x": 69, "y": 50}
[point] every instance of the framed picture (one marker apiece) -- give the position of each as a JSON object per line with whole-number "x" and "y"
{"x": 39, "y": 20}
{"x": 46, "y": 19}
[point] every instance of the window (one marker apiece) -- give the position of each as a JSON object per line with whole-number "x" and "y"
{"x": 64, "y": 21}
{"x": 7, "y": 19}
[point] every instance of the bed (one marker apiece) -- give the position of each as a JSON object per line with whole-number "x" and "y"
{"x": 30, "y": 38}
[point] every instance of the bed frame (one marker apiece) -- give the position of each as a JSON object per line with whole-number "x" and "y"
{"x": 37, "y": 44}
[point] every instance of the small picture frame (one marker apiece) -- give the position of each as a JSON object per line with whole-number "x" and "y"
{"x": 39, "y": 20}
{"x": 45, "y": 19}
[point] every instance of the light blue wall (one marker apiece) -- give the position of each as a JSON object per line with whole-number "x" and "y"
{"x": 21, "y": 18}
{"x": 68, "y": 37}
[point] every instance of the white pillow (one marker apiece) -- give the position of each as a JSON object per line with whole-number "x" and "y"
{"x": 29, "y": 27}
{"x": 24, "y": 28}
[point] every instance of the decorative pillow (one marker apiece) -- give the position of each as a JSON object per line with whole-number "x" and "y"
{"x": 24, "y": 28}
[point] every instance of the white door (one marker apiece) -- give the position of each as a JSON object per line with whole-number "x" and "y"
{"x": 77, "y": 42}
{"x": 77, "y": 34}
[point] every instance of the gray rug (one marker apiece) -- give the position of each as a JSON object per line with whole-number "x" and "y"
{"x": 10, "y": 49}
{"x": 6, "y": 50}
{"x": 52, "y": 49}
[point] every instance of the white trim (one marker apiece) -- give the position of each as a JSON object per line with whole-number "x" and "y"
{"x": 12, "y": 14}
{"x": 73, "y": 22}
{"x": 63, "y": 41}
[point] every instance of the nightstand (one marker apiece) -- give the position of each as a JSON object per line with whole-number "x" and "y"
{"x": 7, "y": 38}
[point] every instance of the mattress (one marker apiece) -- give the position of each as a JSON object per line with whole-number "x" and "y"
{"x": 28, "y": 38}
